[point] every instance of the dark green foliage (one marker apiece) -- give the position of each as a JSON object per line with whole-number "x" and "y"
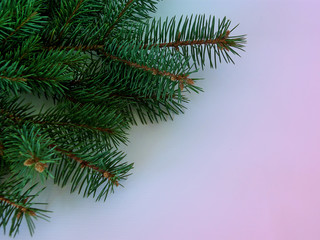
{"x": 17, "y": 204}
{"x": 104, "y": 64}
{"x": 196, "y": 36}
{"x": 88, "y": 178}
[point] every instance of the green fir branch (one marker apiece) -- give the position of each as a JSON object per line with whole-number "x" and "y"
{"x": 18, "y": 205}
{"x": 105, "y": 64}
{"x": 124, "y": 13}
{"x": 90, "y": 171}
{"x": 196, "y": 36}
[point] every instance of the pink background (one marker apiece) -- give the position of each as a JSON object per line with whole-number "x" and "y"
{"x": 241, "y": 164}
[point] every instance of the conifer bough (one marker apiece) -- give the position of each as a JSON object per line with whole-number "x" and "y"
{"x": 106, "y": 64}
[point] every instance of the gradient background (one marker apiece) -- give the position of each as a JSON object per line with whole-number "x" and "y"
{"x": 241, "y": 164}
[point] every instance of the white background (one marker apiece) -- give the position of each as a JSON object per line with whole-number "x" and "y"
{"x": 240, "y": 164}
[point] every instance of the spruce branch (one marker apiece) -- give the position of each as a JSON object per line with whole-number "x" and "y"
{"x": 78, "y": 4}
{"x": 125, "y": 13}
{"x": 21, "y": 208}
{"x": 149, "y": 67}
{"x": 90, "y": 171}
{"x": 40, "y": 72}
{"x": 130, "y": 102}
{"x": 17, "y": 204}
{"x": 120, "y": 15}
{"x": 101, "y": 164}
{"x": 173, "y": 77}
{"x": 86, "y": 164}
{"x": 90, "y": 123}
{"x": 105, "y": 64}
{"x": 21, "y": 25}
{"x": 178, "y": 43}
{"x": 74, "y": 123}
{"x": 196, "y": 36}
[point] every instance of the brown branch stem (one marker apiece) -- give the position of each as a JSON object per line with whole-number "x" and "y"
{"x": 16, "y": 79}
{"x": 84, "y": 163}
{"x": 176, "y": 44}
{"x": 179, "y": 43}
{"x": 2, "y": 148}
{"x": 21, "y": 208}
{"x": 154, "y": 71}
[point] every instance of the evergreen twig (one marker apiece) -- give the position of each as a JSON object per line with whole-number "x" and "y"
{"x": 105, "y": 65}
